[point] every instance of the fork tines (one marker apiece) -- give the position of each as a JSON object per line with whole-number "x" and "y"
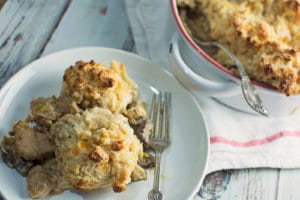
{"x": 160, "y": 114}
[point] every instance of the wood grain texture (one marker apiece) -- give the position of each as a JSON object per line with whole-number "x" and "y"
{"x": 288, "y": 184}
{"x": 252, "y": 184}
{"x": 25, "y": 27}
{"x": 256, "y": 184}
{"x": 93, "y": 23}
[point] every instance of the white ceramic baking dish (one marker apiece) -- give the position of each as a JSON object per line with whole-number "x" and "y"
{"x": 202, "y": 75}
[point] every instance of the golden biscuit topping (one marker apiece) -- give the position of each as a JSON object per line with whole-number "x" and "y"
{"x": 93, "y": 151}
{"x": 264, "y": 35}
{"x": 92, "y": 84}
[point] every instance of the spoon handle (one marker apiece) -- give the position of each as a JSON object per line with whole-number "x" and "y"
{"x": 249, "y": 92}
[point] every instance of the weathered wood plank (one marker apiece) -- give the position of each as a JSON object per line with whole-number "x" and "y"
{"x": 93, "y": 23}
{"x": 25, "y": 27}
{"x": 258, "y": 184}
{"x": 248, "y": 184}
{"x": 288, "y": 186}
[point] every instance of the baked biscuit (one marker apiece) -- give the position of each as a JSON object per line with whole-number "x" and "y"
{"x": 96, "y": 149}
{"x": 92, "y": 84}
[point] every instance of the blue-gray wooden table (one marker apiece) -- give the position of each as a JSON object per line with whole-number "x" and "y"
{"x": 30, "y": 29}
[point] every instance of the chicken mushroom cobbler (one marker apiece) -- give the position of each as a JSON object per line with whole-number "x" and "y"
{"x": 263, "y": 35}
{"x": 93, "y": 135}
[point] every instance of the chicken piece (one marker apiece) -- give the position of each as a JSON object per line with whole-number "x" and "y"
{"x": 45, "y": 107}
{"x": 67, "y": 105}
{"x": 30, "y": 143}
{"x": 39, "y": 182}
{"x": 45, "y": 111}
{"x": 46, "y": 179}
{"x": 11, "y": 158}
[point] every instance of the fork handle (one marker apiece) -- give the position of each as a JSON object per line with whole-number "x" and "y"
{"x": 155, "y": 194}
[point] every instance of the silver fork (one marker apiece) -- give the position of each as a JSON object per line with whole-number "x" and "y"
{"x": 160, "y": 114}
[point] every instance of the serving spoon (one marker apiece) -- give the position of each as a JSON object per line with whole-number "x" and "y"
{"x": 249, "y": 92}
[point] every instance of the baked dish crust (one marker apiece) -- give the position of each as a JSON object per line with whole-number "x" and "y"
{"x": 264, "y": 35}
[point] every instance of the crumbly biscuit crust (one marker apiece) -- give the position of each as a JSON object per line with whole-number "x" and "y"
{"x": 93, "y": 84}
{"x": 264, "y": 35}
{"x": 96, "y": 149}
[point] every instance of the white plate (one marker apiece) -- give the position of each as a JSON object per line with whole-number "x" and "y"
{"x": 183, "y": 163}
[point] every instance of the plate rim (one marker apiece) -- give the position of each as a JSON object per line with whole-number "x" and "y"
{"x": 6, "y": 86}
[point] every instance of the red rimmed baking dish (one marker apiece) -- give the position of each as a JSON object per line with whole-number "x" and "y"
{"x": 203, "y": 76}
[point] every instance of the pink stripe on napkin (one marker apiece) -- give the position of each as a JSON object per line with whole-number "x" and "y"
{"x": 254, "y": 142}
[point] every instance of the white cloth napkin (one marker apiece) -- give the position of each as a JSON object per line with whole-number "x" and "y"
{"x": 238, "y": 140}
